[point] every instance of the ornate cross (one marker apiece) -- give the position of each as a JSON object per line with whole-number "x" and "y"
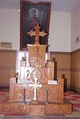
{"x": 35, "y": 85}
{"x": 37, "y": 33}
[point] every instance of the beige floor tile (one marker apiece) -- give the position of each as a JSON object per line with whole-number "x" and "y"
{"x": 77, "y": 108}
{"x": 74, "y": 102}
{"x": 74, "y": 114}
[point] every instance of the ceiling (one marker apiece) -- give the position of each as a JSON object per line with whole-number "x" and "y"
{"x": 56, "y": 5}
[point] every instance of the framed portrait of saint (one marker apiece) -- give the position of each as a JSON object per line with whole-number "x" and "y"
{"x": 31, "y": 14}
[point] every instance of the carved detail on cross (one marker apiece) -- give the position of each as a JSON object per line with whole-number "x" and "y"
{"x": 35, "y": 85}
{"x": 37, "y": 33}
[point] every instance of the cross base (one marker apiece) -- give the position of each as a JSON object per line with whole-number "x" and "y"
{"x": 34, "y": 102}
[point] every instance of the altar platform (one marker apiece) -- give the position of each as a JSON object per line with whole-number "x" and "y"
{"x": 40, "y": 108}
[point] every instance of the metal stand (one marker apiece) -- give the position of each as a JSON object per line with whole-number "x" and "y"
{"x": 46, "y": 95}
{"x": 24, "y": 95}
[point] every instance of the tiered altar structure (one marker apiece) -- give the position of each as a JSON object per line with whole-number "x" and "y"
{"x": 33, "y": 91}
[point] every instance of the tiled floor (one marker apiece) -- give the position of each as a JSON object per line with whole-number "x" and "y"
{"x": 74, "y": 98}
{"x": 71, "y": 96}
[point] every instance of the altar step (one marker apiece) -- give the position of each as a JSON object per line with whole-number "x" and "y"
{"x": 36, "y": 109}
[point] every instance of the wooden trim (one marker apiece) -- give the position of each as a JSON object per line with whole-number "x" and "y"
{"x": 7, "y": 51}
{"x": 77, "y": 50}
{"x": 61, "y": 53}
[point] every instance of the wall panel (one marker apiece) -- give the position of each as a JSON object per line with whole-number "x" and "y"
{"x": 7, "y": 66}
{"x": 62, "y": 61}
{"x": 75, "y": 70}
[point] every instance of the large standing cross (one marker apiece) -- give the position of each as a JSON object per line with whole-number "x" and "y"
{"x": 35, "y": 85}
{"x": 37, "y": 33}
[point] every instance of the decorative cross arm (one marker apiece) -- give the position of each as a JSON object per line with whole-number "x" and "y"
{"x": 37, "y": 33}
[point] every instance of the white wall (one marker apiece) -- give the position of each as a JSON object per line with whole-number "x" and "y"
{"x": 60, "y": 29}
{"x": 75, "y": 28}
{"x": 60, "y": 32}
{"x": 10, "y": 27}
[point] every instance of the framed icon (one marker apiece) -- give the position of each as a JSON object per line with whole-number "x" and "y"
{"x": 31, "y": 14}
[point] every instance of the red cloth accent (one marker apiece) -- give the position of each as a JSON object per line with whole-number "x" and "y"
{"x": 34, "y": 22}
